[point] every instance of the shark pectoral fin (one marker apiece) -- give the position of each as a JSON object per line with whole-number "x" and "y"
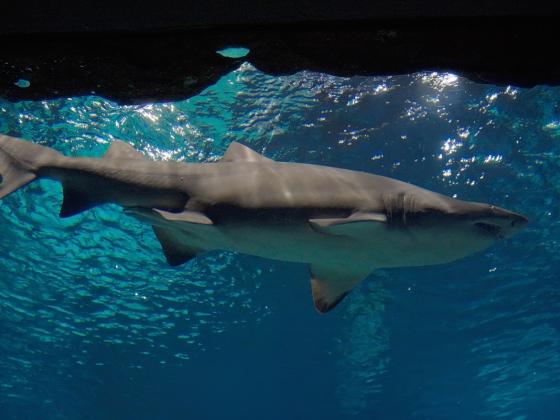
{"x": 237, "y": 152}
{"x": 121, "y": 150}
{"x": 175, "y": 252}
{"x": 347, "y": 225}
{"x": 75, "y": 202}
{"x": 187, "y": 216}
{"x": 329, "y": 286}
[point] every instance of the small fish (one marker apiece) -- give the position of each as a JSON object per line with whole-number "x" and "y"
{"x": 344, "y": 224}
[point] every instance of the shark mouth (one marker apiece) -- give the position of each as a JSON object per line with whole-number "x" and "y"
{"x": 490, "y": 229}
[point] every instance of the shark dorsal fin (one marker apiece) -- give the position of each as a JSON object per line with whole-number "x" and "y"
{"x": 237, "y": 152}
{"x": 122, "y": 150}
{"x": 330, "y": 285}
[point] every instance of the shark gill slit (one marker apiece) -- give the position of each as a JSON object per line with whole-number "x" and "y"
{"x": 397, "y": 207}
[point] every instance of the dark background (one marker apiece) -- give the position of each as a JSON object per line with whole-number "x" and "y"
{"x": 166, "y": 50}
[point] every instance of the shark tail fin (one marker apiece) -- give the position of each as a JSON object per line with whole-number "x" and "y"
{"x": 14, "y": 173}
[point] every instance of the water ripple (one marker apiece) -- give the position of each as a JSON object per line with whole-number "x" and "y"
{"x": 79, "y": 291}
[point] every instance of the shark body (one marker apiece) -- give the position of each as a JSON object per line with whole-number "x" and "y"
{"x": 344, "y": 224}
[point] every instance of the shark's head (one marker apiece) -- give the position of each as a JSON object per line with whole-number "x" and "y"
{"x": 494, "y": 222}
{"x": 448, "y": 229}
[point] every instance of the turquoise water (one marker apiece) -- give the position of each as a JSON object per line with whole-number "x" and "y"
{"x": 95, "y": 325}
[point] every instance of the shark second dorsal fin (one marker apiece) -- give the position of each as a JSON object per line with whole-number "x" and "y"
{"x": 237, "y": 152}
{"x": 122, "y": 150}
{"x": 175, "y": 252}
{"x": 330, "y": 286}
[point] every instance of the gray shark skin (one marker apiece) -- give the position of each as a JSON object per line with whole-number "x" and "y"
{"x": 344, "y": 224}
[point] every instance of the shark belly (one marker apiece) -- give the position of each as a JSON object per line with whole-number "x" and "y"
{"x": 362, "y": 246}
{"x": 291, "y": 243}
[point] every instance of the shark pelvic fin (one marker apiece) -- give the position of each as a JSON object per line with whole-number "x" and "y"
{"x": 75, "y": 202}
{"x": 329, "y": 287}
{"x": 237, "y": 152}
{"x": 175, "y": 252}
{"x": 121, "y": 150}
{"x": 187, "y": 216}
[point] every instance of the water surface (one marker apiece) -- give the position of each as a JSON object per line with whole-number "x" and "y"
{"x": 95, "y": 325}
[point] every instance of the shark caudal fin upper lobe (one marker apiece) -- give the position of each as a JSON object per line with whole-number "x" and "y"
{"x": 15, "y": 170}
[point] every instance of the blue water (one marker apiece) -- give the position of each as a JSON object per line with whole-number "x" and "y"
{"x": 95, "y": 325}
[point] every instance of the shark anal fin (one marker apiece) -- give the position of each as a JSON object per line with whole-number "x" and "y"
{"x": 330, "y": 286}
{"x": 122, "y": 150}
{"x": 175, "y": 252}
{"x": 187, "y": 216}
{"x": 75, "y": 202}
{"x": 237, "y": 152}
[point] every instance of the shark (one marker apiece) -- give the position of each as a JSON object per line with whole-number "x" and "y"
{"x": 343, "y": 224}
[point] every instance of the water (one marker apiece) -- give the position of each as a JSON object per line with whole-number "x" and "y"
{"x": 95, "y": 325}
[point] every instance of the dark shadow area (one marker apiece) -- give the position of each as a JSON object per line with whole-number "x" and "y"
{"x": 150, "y": 55}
